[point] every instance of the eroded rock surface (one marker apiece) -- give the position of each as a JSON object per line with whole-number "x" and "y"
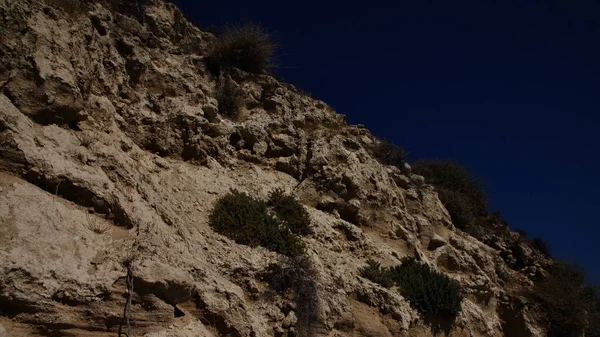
{"x": 112, "y": 154}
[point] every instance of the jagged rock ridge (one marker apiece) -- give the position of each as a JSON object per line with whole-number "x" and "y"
{"x": 112, "y": 153}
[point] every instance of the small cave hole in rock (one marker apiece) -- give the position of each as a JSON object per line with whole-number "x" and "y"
{"x": 74, "y": 125}
{"x": 234, "y": 140}
{"x": 177, "y": 311}
{"x": 98, "y": 25}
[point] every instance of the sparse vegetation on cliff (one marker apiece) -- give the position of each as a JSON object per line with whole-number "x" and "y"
{"x": 150, "y": 148}
{"x": 569, "y": 306}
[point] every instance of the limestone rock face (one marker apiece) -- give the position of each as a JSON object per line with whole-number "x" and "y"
{"x": 113, "y": 153}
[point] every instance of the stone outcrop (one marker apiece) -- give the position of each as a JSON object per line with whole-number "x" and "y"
{"x": 112, "y": 154}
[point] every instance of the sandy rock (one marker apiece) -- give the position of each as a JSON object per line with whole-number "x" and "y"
{"x": 290, "y": 320}
{"x": 170, "y": 284}
{"x": 436, "y": 242}
{"x": 211, "y": 109}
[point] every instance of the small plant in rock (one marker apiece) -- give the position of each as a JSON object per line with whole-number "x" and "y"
{"x": 374, "y": 272}
{"x": 96, "y": 225}
{"x": 541, "y": 246}
{"x": 247, "y": 47}
{"x": 229, "y": 97}
{"x": 429, "y": 291}
{"x": 390, "y": 154}
{"x": 291, "y": 211}
{"x": 88, "y": 139}
{"x": 247, "y": 221}
{"x": 298, "y": 277}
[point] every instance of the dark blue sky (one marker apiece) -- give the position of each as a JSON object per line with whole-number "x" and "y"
{"x": 510, "y": 89}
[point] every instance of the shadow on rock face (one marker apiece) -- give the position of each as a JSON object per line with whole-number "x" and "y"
{"x": 439, "y": 324}
{"x": 513, "y": 323}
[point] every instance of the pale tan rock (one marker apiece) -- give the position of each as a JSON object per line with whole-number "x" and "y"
{"x": 290, "y": 320}
{"x": 435, "y": 242}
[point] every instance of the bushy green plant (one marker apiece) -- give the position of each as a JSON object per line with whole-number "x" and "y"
{"x": 247, "y": 47}
{"x": 375, "y": 273}
{"x": 291, "y": 211}
{"x": 462, "y": 195}
{"x": 247, "y": 221}
{"x": 390, "y": 154}
{"x": 429, "y": 291}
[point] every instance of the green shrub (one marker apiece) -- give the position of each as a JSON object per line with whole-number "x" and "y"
{"x": 291, "y": 211}
{"x": 247, "y": 47}
{"x": 375, "y": 273}
{"x": 541, "y": 245}
{"x": 247, "y": 221}
{"x": 390, "y": 154}
{"x": 429, "y": 291}
{"x": 568, "y": 305}
{"x": 462, "y": 195}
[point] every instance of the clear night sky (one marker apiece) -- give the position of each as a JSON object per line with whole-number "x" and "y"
{"x": 510, "y": 89}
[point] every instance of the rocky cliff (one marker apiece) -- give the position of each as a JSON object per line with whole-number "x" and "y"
{"x": 113, "y": 153}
